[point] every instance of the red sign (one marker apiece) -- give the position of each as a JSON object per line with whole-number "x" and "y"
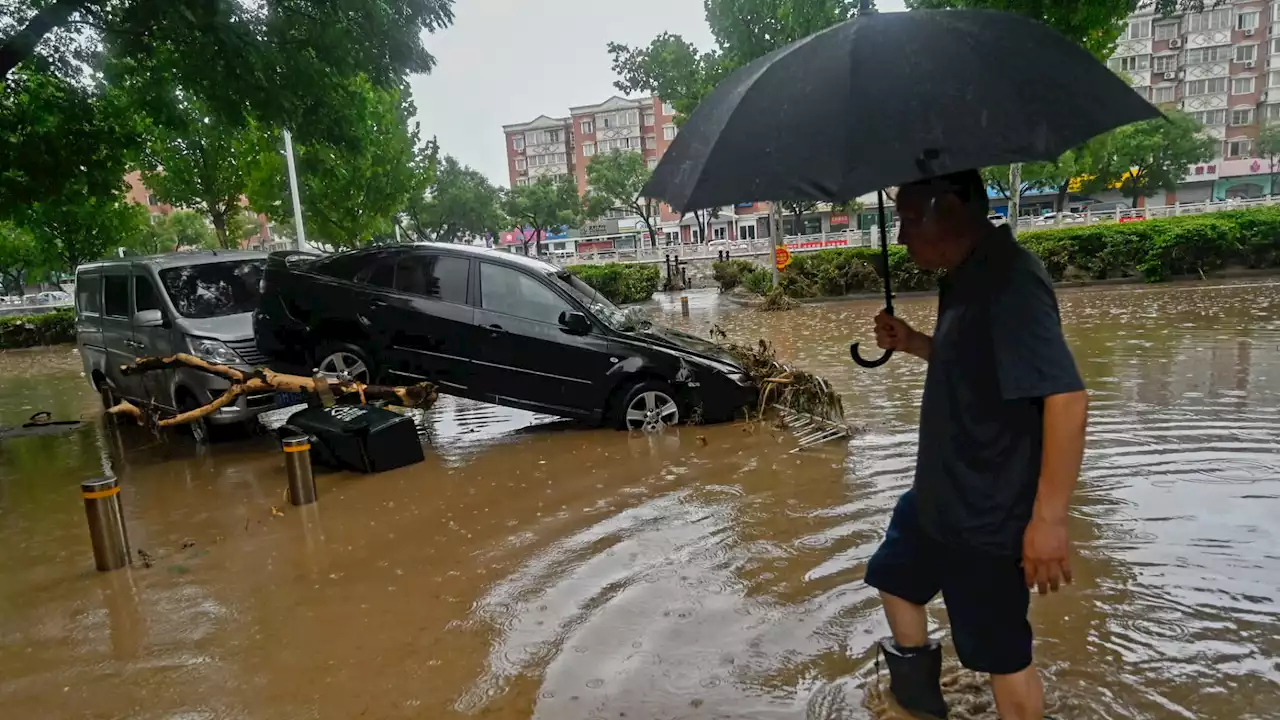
{"x": 1129, "y": 218}
{"x": 596, "y": 246}
{"x": 781, "y": 257}
{"x": 841, "y": 219}
{"x": 817, "y": 244}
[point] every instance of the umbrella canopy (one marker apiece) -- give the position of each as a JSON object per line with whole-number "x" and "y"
{"x": 887, "y": 99}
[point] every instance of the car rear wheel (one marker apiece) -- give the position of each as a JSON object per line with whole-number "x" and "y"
{"x": 338, "y": 361}
{"x": 649, "y": 406}
{"x": 200, "y": 429}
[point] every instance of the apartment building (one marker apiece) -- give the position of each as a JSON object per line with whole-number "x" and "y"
{"x": 1222, "y": 66}
{"x": 565, "y": 146}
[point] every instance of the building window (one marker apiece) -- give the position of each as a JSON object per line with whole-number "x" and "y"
{"x": 588, "y": 149}
{"x": 1166, "y": 31}
{"x": 1164, "y": 94}
{"x": 1275, "y": 43}
{"x": 1239, "y": 147}
{"x": 1246, "y": 53}
{"x": 1130, "y": 63}
{"x": 1208, "y": 86}
{"x": 521, "y": 164}
{"x": 1243, "y": 116}
{"x": 1165, "y": 63}
{"x": 1139, "y": 29}
{"x": 1210, "y": 117}
{"x": 653, "y": 163}
{"x": 650, "y": 142}
{"x": 1242, "y": 86}
{"x": 746, "y": 232}
{"x": 1221, "y": 53}
{"x": 667, "y": 109}
{"x": 648, "y": 119}
{"x": 1275, "y": 12}
{"x": 1247, "y": 20}
{"x": 1211, "y": 20}
{"x": 1273, "y": 79}
{"x": 669, "y": 132}
{"x": 1271, "y": 112}
{"x": 588, "y": 127}
{"x": 517, "y": 143}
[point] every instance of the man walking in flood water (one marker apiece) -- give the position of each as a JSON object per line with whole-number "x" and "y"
{"x": 1002, "y": 428}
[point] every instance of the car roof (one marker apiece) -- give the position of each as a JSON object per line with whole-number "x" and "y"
{"x": 177, "y": 259}
{"x": 501, "y": 258}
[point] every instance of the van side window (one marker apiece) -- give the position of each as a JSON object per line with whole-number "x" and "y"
{"x": 89, "y": 295}
{"x": 145, "y": 296}
{"x": 115, "y": 295}
{"x": 440, "y": 277}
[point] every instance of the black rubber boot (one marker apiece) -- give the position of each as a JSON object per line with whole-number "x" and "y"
{"x": 915, "y": 678}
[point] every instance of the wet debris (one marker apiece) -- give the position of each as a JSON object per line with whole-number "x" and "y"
{"x": 148, "y": 560}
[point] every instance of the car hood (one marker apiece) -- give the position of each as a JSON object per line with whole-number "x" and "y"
{"x": 224, "y": 328}
{"x": 670, "y": 337}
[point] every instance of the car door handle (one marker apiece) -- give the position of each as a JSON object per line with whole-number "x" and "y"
{"x": 377, "y": 303}
{"x": 495, "y": 329}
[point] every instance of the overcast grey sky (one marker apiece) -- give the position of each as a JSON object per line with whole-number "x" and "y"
{"x": 509, "y": 61}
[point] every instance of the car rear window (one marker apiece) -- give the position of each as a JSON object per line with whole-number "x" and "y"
{"x": 88, "y": 297}
{"x": 440, "y": 277}
{"x": 213, "y": 289}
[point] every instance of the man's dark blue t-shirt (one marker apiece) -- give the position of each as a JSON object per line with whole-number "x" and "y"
{"x": 998, "y": 351}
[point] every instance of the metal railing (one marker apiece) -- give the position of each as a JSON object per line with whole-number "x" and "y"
{"x": 869, "y": 238}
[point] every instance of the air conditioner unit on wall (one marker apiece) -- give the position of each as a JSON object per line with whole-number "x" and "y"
{"x": 1175, "y": 43}
{"x": 1170, "y": 75}
{"x": 1250, "y": 63}
{"x": 1249, "y": 32}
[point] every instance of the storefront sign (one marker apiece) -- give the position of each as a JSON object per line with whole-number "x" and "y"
{"x": 817, "y": 244}
{"x": 781, "y": 258}
{"x": 841, "y": 219}
{"x": 596, "y": 246}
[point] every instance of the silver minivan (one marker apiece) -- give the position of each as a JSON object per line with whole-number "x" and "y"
{"x": 198, "y": 303}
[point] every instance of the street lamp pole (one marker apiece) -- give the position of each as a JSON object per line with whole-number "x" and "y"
{"x": 300, "y": 233}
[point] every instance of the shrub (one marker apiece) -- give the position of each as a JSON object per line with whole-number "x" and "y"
{"x": 52, "y": 328}
{"x": 758, "y": 281}
{"x": 621, "y": 282}
{"x": 729, "y": 273}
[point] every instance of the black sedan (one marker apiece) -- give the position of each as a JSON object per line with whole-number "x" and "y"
{"x": 494, "y": 327}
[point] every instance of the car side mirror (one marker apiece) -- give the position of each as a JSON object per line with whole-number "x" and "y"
{"x": 148, "y": 319}
{"x": 575, "y": 322}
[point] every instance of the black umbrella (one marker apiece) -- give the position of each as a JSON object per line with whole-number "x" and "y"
{"x": 888, "y": 99}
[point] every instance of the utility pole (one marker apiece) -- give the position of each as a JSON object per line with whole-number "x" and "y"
{"x": 300, "y": 233}
{"x": 775, "y": 231}
{"x": 1015, "y": 195}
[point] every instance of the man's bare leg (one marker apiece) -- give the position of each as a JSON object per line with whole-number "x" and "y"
{"x": 907, "y": 621}
{"x": 1019, "y": 696}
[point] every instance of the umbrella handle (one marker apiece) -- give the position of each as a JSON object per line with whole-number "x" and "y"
{"x": 863, "y": 362}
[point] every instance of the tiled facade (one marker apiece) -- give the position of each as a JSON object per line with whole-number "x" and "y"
{"x": 1222, "y": 66}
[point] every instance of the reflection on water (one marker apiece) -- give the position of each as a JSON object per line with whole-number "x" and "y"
{"x": 532, "y": 568}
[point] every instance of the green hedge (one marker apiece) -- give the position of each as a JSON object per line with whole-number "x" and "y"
{"x": 52, "y": 328}
{"x": 621, "y": 282}
{"x": 1152, "y": 250}
{"x": 729, "y": 273}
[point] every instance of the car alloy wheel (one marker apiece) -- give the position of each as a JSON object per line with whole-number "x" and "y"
{"x": 652, "y": 410}
{"x": 341, "y": 365}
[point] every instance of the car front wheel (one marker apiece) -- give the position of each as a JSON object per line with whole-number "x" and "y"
{"x": 649, "y": 406}
{"x": 338, "y": 361}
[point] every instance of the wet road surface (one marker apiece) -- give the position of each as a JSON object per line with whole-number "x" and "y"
{"x": 532, "y": 569}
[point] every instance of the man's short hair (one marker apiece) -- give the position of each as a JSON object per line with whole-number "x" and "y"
{"x": 966, "y": 185}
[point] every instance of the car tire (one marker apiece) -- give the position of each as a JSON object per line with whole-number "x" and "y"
{"x": 648, "y": 406}
{"x": 340, "y": 357}
{"x": 200, "y": 430}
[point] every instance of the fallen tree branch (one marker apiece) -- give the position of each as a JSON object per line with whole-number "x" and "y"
{"x": 263, "y": 380}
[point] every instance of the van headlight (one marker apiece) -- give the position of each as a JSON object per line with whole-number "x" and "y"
{"x": 214, "y": 351}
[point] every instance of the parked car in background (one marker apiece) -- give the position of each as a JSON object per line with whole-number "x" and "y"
{"x": 495, "y": 327}
{"x": 1052, "y": 218}
{"x": 198, "y": 303}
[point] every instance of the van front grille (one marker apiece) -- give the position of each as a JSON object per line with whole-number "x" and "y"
{"x": 248, "y": 349}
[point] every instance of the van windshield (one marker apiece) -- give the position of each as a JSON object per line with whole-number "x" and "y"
{"x": 213, "y": 289}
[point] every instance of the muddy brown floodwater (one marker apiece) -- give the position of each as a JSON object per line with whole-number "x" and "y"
{"x": 530, "y": 569}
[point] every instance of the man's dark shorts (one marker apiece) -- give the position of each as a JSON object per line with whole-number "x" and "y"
{"x": 986, "y": 595}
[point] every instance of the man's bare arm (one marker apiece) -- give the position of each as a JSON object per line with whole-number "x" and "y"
{"x": 1065, "y": 418}
{"x": 920, "y": 345}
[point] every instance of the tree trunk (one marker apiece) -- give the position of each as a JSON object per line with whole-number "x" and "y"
{"x": 776, "y": 221}
{"x": 22, "y": 44}
{"x": 1015, "y": 195}
{"x": 1062, "y": 197}
{"x": 220, "y": 227}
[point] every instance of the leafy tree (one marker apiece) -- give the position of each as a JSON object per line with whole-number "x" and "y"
{"x": 798, "y": 209}
{"x": 19, "y": 255}
{"x": 242, "y": 225}
{"x": 460, "y": 203}
{"x": 615, "y": 180}
{"x": 1268, "y": 146}
{"x": 179, "y": 230}
{"x": 544, "y": 205}
{"x": 273, "y": 58}
{"x": 1149, "y": 156}
{"x": 75, "y": 232}
{"x": 350, "y": 193}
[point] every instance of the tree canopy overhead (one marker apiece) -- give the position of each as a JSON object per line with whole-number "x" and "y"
{"x": 270, "y": 58}
{"x": 460, "y": 203}
{"x": 542, "y": 205}
{"x": 615, "y": 180}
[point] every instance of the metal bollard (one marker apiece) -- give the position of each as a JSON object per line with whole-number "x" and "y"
{"x": 106, "y": 523}
{"x": 684, "y": 305}
{"x": 297, "y": 462}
